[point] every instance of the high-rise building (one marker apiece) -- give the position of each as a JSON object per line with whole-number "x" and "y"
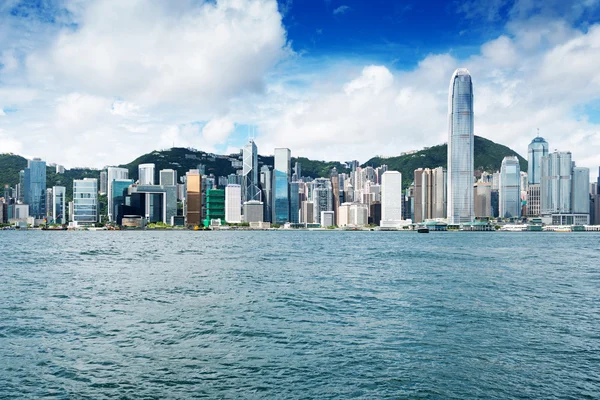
{"x": 307, "y": 212}
{"x": 580, "y": 194}
{"x": 281, "y": 187}
{"x": 322, "y": 198}
{"x": 555, "y": 183}
{"x": 266, "y": 183}
{"x": 103, "y": 182}
{"x": 460, "y": 148}
{"x": 294, "y": 202}
{"x": 193, "y": 198}
{"x": 537, "y": 149}
{"x": 233, "y": 204}
{"x": 35, "y": 187}
{"x": 335, "y": 187}
{"x": 533, "y": 200}
{"x": 327, "y": 219}
{"x": 250, "y": 190}
{"x": 85, "y": 201}
{"x": 391, "y": 198}
{"x": 430, "y": 194}
{"x": 253, "y": 211}
{"x": 510, "y": 188}
{"x": 117, "y": 200}
{"x": 114, "y": 173}
{"x": 215, "y": 206}
{"x": 59, "y": 204}
{"x": 168, "y": 177}
{"x": 146, "y": 174}
{"x": 483, "y": 199}
{"x": 49, "y": 199}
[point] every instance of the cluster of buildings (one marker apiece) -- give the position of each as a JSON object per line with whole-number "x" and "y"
{"x": 553, "y": 190}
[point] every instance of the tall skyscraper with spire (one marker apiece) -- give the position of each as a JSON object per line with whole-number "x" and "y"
{"x": 537, "y": 149}
{"x": 250, "y": 189}
{"x": 460, "y": 148}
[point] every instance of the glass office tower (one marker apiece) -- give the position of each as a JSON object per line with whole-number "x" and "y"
{"x": 460, "y": 148}
{"x": 35, "y": 187}
{"x": 537, "y": 149}
{"x": 281, "y": 187}
{"x": 85, "y": 201}
{"x": 59, "y": 213}
{"x": 250, "y": 190}
{"x": 510, "y": 188}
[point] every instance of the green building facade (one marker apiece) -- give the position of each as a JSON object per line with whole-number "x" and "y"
{"x": 215, "y": 206}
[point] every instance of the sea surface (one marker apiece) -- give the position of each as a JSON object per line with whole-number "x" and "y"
{"x": 299, "y": 315}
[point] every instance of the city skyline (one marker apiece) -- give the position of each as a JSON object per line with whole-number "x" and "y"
{"x": 307, "y": 88}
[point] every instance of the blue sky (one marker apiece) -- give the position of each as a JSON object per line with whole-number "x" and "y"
{"x": 95, "y": 82}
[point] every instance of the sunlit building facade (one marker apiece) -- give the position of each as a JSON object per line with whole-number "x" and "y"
{"x": 250, "y": 189}
{"x": 85, "y": 202}
{"x": 114, "y": 173}
{"x": 281, "y": 187}
{"x": 537, "y": 149}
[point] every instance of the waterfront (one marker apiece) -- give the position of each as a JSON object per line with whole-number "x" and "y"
{"x": 299, "y": 315}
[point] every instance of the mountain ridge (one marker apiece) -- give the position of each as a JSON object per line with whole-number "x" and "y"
{"x": 488, "y": 157}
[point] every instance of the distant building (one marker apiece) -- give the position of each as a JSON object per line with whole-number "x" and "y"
{"x": 49, "y": 199}
{"x": 193, "y": 198}
{"x": 375, "y": 213}
{"x": 322, "y": 198}
{"x": 103, "y": 182}
{"x": 538, "y": 148}
{"x": 391, "y": 199}
{"x": 156, "y": 203}
{"x": 281, "y": 188}
{"x": 294, "y": 202}
{"x": 85, "y": 202}
{"x": 60, "y": 169}
{"x": 35, "y": 187}
{"x": 483, "y": 200}
{"x": 580, "y": 195}
{"x": 168, "y": 177}
{"x": 510, "y": 188}
{"x": 59, "y": 204}
{"x": 266, "y": 183}
{"x": 119, "y": 191}
{"x": 146, "y": 174}
{"x": 114, "y": 173}
{"x": 327, "y": 218}
{"x": 250, "y": 189}
{"x": 460, "y": 148}
{"x": 253, "y": 211}
{"x": 233, "y": 204}
{"x": 215, "y": 206}
{"x": 307, "y": 212}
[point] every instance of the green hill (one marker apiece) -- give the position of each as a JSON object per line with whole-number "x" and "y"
{"x": 488, "y": 157}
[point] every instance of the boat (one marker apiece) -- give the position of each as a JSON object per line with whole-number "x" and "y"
{"x": 423, "y": 229}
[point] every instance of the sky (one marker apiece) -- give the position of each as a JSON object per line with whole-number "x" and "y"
{"x": 100, "y": 82}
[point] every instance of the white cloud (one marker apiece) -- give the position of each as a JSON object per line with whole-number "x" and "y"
{"x": 152, "y": 52}
{"x": 217, "y": 131}
{"x": 343, "y": 9}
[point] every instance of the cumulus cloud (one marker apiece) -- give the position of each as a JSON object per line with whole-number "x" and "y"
{"x": 152, "y": 52}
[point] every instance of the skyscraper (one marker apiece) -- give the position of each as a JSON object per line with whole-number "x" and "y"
{"x": 193, "y": 202}
{"x": 266, "y": 183}
{"x": 510, "y": 188}
{"x": 460, "y": 148}
{"x": 113, "y": 174}
{"x": 103, "y": 182}
{"x": 233, "y": 204}
{"x": 146, "y": 174}
{"x": 537, "y": 149}
{"x": 85, "y": 201}
{"x": 580, "y": 194}
{"x": 35, "y": 187}
{"x": 391, "y": 198}
{"x": 335, "y": 187}
{"x": 322, "y": 197}
{"x": 555, "y": 183}
{"x": 281, "y": 187}
{"x": 294, "y": 202}
{"x": 59, "y": 203}
{"x": 250, "y": 189}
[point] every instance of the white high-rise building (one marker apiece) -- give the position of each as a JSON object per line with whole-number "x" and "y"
{"x": 510, "y": 188}
{"x": 391, "y": 199}
{"x": 85, "y": 201}
{"x": 233, "y": 204}
{"x": 146, "y": 174}
{"x": 59, "y": 204}
{"x": 113, "y": 173}
{"x": 167, "y": 177}
{"x": 460, "y": 148}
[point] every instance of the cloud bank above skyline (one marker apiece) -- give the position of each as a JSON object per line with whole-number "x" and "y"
{"x": 98, "y": 83}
